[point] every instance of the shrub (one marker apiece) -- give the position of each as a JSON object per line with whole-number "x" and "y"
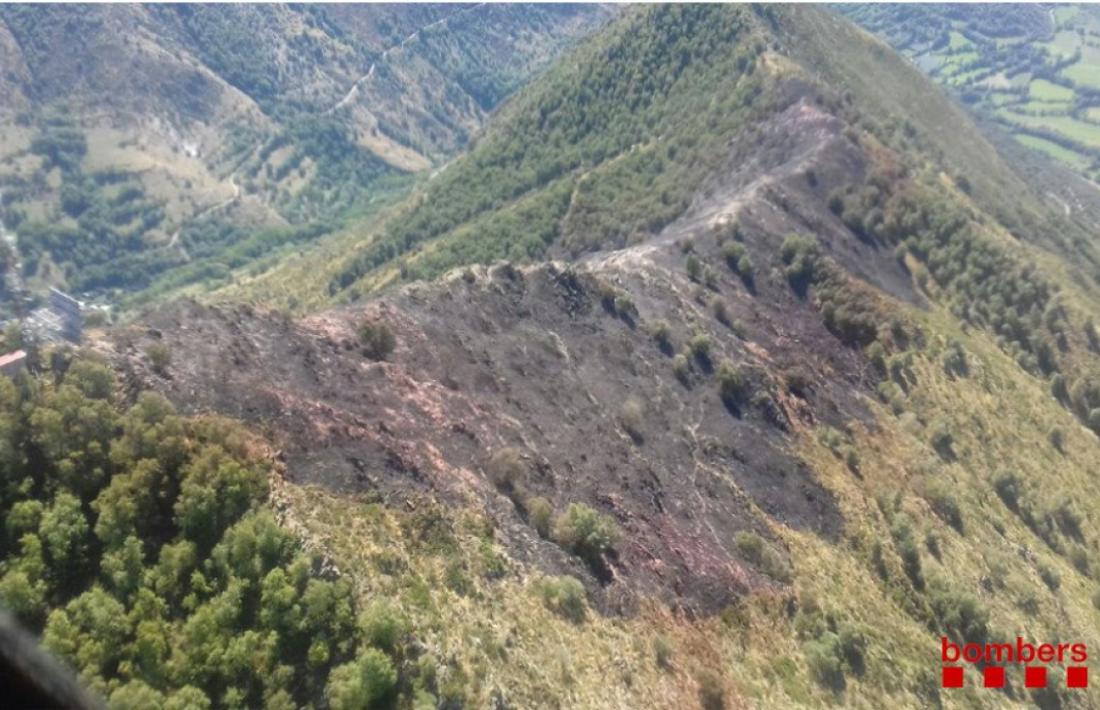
{"x": 1007, "y": 486}
{"x": 893, "y": 395}
{"x": 382, "y": 626}
{"x": 682, "y": 369}
{"x": 726, "y": 231}
{"x": 942, "y": 501}
{"x": 900, "y": 252}
{"x": 625, "y": 308}
{"x": 1050, "y": 577}
{"x": 694, "y": 268}
{"x": 733, "y": 385}
{"x": 1094, "y": 420}
{"x": 823, "y": 656}
{"x": 1058, "y": 387}
{"x": 362, "y": 683}
{"x": 377, "y": 339}
{"x": 954, "y": 360}
{"x": 749, "y": 545}
{"x": 908, "y": 551}
{"x": 960, "y": 614}
{"x": 721, "y": 313}
{"x": 732, "y": 253}
{"x": 700, "y": 347}
{"x": 832, "y": 438}
{"x": 565, "y": 595}
{"x": 942, "y": 439}
{"x": 770, "y": 410}
{"x": 800, "y": 256}
{"x": 710, "y": 278}
{"x": 1079, "y": 557}
{"x": 932, "y": 542}
{"x": 762, "y": 555}
{"x": 160, "y": 357}
{"x": 853, "y": 647}
{"x": 539, "y": 515}
{"x": 661, "y": 333}
{"x": 506, "y": 469}
{"x": 851, "y": 460}
{"x": 712, "y": 694}
{"x": 588, "y": 534}
{"x": 739, "y": 262}
{"x": 1057, "y": 438}
{"x": 631, "y": 418}
{"x": 746, "y": 270}
{"x": 662, "y": 649}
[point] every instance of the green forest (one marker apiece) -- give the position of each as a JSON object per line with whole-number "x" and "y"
{"x": 596, "y": 177}
{"x": 139, "y": 544}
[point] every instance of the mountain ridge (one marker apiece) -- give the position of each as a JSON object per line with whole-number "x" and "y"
{"x": 748, "y": 375}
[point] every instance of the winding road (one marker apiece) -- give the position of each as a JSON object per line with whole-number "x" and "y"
{"x": 173, "y": 242}
{"x": 354, "y": 90}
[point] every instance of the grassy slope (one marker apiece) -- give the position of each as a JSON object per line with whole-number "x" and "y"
{"x": 500, "y": 636}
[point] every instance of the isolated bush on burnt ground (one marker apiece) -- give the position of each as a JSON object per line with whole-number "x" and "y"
{"x": 589, "y": 534}
{"x": 377, "y": 340}
{"x": 800, "y": 255}
{"x": 632, "y": 418}
{"x": 507, "y": 470}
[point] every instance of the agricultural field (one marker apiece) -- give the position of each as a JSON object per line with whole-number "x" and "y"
{"x": 1034, "y": 71}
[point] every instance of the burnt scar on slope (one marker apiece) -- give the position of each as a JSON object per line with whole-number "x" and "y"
{"x": 429, "y": 423}
{"x": 786, "y": 489}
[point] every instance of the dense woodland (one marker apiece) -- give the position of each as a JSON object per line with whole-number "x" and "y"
{"x": 627, "y": 130}
{"x": 139, "y": 544}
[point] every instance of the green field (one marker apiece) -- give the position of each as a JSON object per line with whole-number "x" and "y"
{"x": 1065, "y": 43}
{"x": 1043, "y": 90}
{"x": 958, "y": 41}
{"x": 989, "y": 58}
{"x": 1066, "y": 13}
{"x": 1054, "y": 150}
{"x": 1084, "y": 74}
{"x": 1079, "y": 131}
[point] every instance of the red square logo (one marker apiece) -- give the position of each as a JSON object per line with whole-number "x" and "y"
{"x": 1035, "y": 677}
{"x": 994, "y": 676}
{"x": 1077, "y": 677}
{"x": 952, "y": 676}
